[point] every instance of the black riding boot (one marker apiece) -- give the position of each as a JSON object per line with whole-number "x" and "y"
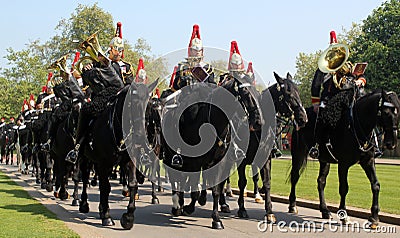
{"x": 321, "y": 138}
{"x": 83, "y": 124}
{"x": 50, "y": 132}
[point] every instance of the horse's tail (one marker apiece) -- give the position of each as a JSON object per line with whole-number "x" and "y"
{"x": 299, "y": 156}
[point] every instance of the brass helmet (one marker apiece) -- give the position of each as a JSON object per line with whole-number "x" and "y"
{"x": 235, "y": 59}
{"x": 117, "y": 42}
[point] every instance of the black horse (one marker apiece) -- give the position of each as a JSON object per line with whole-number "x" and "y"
{"x": 9, "y": 146}
{"x": 287, "y": 105}
{"x": 25, "y": 137}
{"x": 184, "y": 170}
{"x": 107, "y": 147}
{"x": 3, "y": 140}
{"x": 41, "y": 159}
{"x": 67, "y": 115}
{"x": 352, "y": 142}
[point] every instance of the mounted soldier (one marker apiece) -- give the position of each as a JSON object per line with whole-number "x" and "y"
{"x": 104, "y": 81}
{"x": 194, "y": 69}
{"x": 67, "y": 90}
{"x": 237, "y": 72}
{"x": 341, "y": 83}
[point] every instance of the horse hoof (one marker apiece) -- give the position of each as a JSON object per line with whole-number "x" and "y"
{"x": 64, "y": 196}
{"x": 229, "y": 194}
{"x": 217, "y": 225}
{"x": 56, "y": 195}
{"x": 270, "y": 218}
{"x": 75, "y": 202}
{"x": 187, "y": 210}
{"x": 49, "y": 188}
{"x": 155, "y": 201}
{"x": 107, "y": 222}
{"x": 84, "y": 207}
{"x": 176, "y": 211}
{"x": 374, "y": 223}
{"x": 326, "y": 215}
{"x": 125, "y": 193}
{"x": 203, "y": 198}
{"x": 225, "y": 208}
{"x": 127, "y": 221}
{"x": 259, "y": 199}
{"x": 38, "y": 182}
{"x": 293, "y": 210}
{"x": 242, "y": 213}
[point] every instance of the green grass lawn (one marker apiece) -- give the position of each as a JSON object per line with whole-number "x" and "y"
{"x": 23, "y": 216}
{"x": 359, "y": 187}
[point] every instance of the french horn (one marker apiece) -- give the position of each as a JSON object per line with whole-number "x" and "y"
{"x": 60, "y": 66}
{"x": 95, "y": 54}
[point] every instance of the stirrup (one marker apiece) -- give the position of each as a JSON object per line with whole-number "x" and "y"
{"x": 276, "y": 153}
{"x": 72, "y": 156}
{"x": 378, "y": 153}
{"x": 177, "y": 161}
{"x": 314, "y": 152}
{"x": 46, "y": 147}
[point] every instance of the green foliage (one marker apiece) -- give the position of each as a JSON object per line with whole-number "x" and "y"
{"x": 27, "y": 70}
{"x": 306, "y": 65}
{"x": 379, "y": 45}
{"x": 376, "y": 41}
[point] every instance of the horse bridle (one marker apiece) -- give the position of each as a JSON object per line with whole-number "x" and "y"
{"x": 369, "y": 143}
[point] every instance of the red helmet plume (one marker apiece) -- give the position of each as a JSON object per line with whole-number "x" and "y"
{"x": 25, "y": 105}
{"x": 32, "y": 101}
{"x": 171, "y": 81}
{"x": 333, "y": 37}
{"x": 250, "y": 72}
{"x": 141, "y": 75}
{"x": 77, "y": 56}
{"x": 48, "y": 83}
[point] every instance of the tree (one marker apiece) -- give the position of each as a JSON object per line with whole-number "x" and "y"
{"x": 28, "y": 67}
{"x": 379, "y": 45}
{"x": 306, "y": 65}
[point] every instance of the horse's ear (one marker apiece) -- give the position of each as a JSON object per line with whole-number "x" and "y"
{"x": 289, "y": 76}
{"x": 278, "y": 78}
{"x": 153, "y": 85}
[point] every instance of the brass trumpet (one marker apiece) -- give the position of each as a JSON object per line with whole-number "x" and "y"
{"x": 92, "y": 47}
{"x": 60, "y": 66}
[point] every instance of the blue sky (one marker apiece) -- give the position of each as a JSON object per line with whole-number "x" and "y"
{"x": 271, "y": 34}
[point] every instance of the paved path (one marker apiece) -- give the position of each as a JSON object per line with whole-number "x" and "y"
{"x": 156, "y": 220}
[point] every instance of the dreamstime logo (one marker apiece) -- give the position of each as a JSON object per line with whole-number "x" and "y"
{"x": 203, "y": 111}
{"x": 329, "y": 225}
{"x": 341, "y": 214}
